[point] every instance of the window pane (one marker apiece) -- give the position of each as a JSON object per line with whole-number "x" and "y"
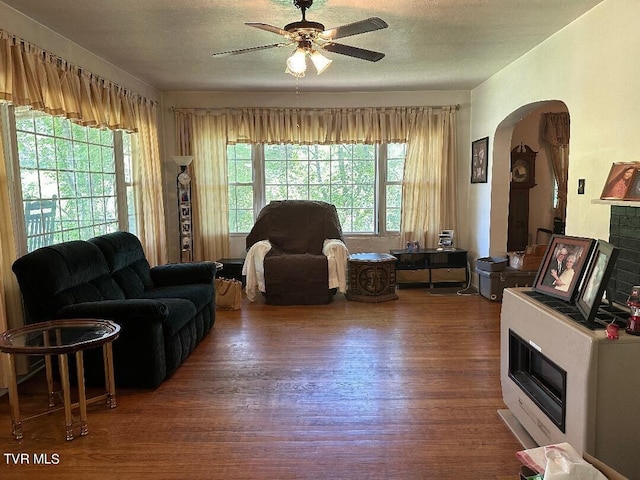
{"x": 393, "y": 219}
{"x": 244, "y": 197}
{"x": 394, "y": 196}
{"x": 396, "y": 153}
{"x": 275, "y": 172}
{"x": 245, "y": 220}
{"x": 395, "y": 167}
{"x": 27, "y": 150}
{"x": 68, "y": 179}
{"x": 61, "y": 127}
{"x": 240, "y": 185}
{"x": 109, "y": 165}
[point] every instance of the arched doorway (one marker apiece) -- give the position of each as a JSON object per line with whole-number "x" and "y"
{"x": 524, "y": 127}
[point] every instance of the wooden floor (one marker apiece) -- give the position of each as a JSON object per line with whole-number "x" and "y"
{"x": 405, "y": 389}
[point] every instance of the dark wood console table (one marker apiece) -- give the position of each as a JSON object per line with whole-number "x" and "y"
{"x": 431, "y": 266}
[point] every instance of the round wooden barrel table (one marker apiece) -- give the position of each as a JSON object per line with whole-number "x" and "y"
{"x": 372, "y": 277}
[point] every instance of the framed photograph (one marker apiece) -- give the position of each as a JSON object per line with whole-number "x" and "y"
{"x": 479, "y": 159}
{"x": 186, "y": 243}
{"x": 633, "y": 193}
{"x": 622, "y": 176}
{"x": 563, "y": 266}
{"x": 596, "y": 280}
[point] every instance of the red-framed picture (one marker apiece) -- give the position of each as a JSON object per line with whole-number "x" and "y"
{"x": 563, "y": 266}
{"x": 623, "y": 182}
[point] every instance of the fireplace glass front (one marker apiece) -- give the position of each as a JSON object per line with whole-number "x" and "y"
{"x": 542, "y": 380}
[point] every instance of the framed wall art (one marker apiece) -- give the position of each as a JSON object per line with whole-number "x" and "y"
{"x": 563, "y": 266}
{"x": 633, "y": 193}
{"x": 479, "y": 159}
{"x": 622, "y": 182}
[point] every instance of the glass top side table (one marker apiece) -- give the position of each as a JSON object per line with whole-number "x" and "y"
{"x": 59, "y": 338}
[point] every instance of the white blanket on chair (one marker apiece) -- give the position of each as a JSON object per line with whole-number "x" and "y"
{"x": 253, "y": 268}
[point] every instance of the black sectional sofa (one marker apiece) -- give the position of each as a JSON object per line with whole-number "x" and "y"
{"x": 164, "y": 311}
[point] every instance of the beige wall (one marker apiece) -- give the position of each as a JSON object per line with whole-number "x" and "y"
{"x": 590, "y": 67}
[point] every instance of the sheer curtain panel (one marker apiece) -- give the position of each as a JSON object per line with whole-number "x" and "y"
{"x": 429, "y": 182}
{"x": 10, "y": 300}
{"x": 203, "y": 135}
{"x": 556, "y": 134}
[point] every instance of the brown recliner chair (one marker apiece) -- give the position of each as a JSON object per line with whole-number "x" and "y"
{"x": 296, "y": 271}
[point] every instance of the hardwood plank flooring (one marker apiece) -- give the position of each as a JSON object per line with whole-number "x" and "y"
{"x": 405, "y": 389}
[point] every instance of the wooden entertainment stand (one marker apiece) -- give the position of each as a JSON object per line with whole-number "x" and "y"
{"x": 431, "y": 266}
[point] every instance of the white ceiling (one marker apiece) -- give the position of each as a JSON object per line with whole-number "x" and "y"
{"x": 429, "y": 45}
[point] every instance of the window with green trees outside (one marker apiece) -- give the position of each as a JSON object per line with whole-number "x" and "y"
{"x": 364, "y": 182}
{"x": 75, "y": 180}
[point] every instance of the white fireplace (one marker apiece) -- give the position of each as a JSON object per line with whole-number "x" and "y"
{"x": 583, "y": 388}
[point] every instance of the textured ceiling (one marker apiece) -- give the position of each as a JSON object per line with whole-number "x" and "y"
{"x": 429, "y": 45}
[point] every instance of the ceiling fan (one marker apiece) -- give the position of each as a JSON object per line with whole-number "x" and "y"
{"x": 310, "y": 37}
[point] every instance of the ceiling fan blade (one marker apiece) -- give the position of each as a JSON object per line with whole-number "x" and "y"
{"x": 269, "y": 28}
{"x": 356, "y": 52}
{"x": 356, "y": 28}
{"x": 251, "y": 49}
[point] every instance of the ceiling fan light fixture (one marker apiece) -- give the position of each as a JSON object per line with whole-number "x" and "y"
{"x": 319, "y": 61}
{"x": 297, "y": 75}
{"x": 297, "y": 63}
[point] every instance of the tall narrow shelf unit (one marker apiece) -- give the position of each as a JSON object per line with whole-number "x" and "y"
{"x": 185, "y": 211}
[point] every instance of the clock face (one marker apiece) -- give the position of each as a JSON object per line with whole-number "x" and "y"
{"x": 520, "y": 171}
{"x": 184, "y": 178}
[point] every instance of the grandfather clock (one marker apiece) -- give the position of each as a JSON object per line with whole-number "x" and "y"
{"x": 523, "y": 178}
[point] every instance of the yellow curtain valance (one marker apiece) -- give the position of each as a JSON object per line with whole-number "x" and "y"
{"x": 308, "y": 126}
{"x": 29, "y": 76}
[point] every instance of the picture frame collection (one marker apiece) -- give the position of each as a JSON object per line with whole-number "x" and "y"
{"x": 577, "y": 270}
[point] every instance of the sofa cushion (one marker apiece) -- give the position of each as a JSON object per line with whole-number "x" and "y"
{"x": 126, "y": 260}
{"x": 180, "y": 313}
{"x": 59, "y": 275}
{"x": 296, "y": 279}
{"x": 199, "y": 294}
{"x": 102, "y": 288}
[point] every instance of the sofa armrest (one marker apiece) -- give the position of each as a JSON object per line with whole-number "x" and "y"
{"x": 120, "y": 311}
{"x": 139, "y": 352}
{"x": 183, "y": 273}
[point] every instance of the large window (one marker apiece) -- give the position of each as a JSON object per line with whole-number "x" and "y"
{"x": 70, "y": 177}
{"x": 364, "y": 182}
